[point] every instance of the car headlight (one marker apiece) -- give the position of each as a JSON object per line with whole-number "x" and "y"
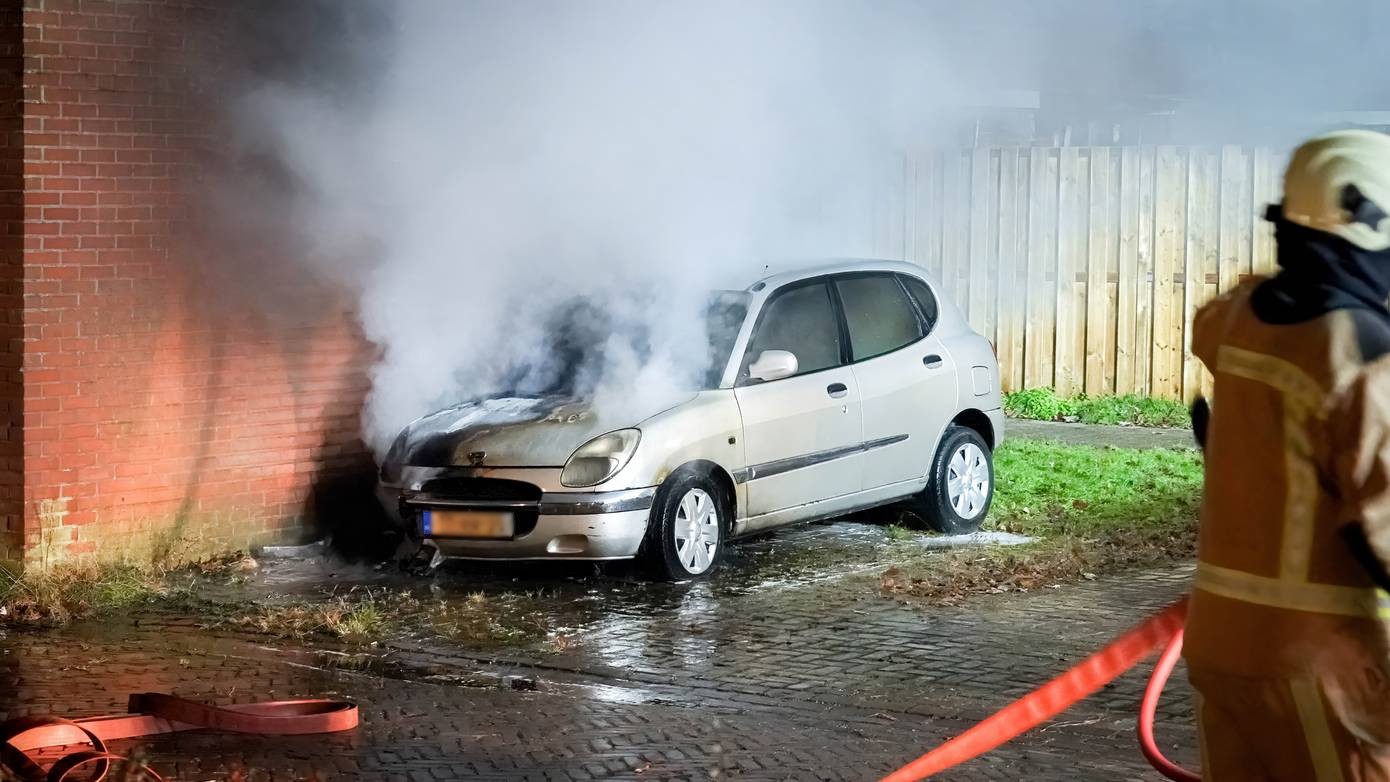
{"x": 600, "y": 459}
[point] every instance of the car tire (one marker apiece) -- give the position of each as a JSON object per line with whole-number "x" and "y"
{"x": 687, "y": 528}
{"x": 960, "y": 486}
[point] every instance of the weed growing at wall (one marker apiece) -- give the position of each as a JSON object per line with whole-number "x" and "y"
{"x": 1043, "y": 404}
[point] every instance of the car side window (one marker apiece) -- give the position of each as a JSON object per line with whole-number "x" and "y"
{"x": 801, "y": 321}
{"x": 926, "y": 300}
{"x": 878, "y": 313}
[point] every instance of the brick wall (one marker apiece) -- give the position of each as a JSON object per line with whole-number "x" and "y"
{"x": 165, "y": 412}
{"x": 11, "y": 277}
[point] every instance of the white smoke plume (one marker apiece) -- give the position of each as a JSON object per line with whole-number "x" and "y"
{"x": 501, "y": 158}
{"x": 510, "y": 156}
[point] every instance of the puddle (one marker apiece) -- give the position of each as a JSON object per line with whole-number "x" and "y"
{"x": 973, "y": 539}
{"x": 607, "y": 614}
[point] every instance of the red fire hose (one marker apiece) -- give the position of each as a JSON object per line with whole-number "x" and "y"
{"x": 1162, "y": 670}
{"x": 152, "y": 713}
{"x": 1067, "y": 689}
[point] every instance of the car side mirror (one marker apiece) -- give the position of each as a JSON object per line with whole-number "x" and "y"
{"x": 773, "y": 365}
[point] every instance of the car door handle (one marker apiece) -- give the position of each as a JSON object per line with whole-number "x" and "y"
{"x": 932, "y": 361}
{"x": 837, "y": 390}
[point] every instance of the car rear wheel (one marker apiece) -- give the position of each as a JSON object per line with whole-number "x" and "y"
{"x": 960, "y": 487}
{"x": 685, "y": 534}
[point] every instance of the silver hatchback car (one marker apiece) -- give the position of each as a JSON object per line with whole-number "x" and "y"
{"x": 833, "y": 389}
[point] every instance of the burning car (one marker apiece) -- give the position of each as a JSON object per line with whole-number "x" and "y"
{"x": 830, "y": 390}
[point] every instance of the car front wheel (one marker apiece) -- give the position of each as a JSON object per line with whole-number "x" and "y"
{"x": 685, "y": 534}
{"x": 960, "y": 487}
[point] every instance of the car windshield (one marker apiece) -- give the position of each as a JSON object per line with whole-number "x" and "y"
{"x": 724, "y": 317}
{"x": 579, "y": 332}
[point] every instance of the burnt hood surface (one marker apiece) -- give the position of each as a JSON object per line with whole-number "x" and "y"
{"x": 539, "y": 431}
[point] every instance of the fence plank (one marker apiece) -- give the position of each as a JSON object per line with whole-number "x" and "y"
{"x": 928, "y": 229}
{"x": 956, "y": 252}
{"x": 1266, "y": 187}
{"x": 1203, "y": 258}
{"x": 950, "y": 204}
{"x": 1080, "y": 225}
{"x": 1098, "y": 363}
{"x": 1169, "y": 234}
{"x": 1112, "y": 272}
{"x": 1070, "y": 318}
{"x": 1246, "y": 207}
{"x": 1009, "y": 301}
{"x": 982, "y": 198}
{"x": 912, "y": 206}
{"x": 898, "y": 214}
{"x": 1126, "y": 317}
{"x": 1086, "y": 264}
{"x": 1021, "y": 190}
{"x": 1039, "y": 344}
{"x": 1235, "y": 243}
{"x": 1144, "y": 275}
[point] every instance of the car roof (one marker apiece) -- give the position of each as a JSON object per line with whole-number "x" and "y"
{"x": 819, "y": 268}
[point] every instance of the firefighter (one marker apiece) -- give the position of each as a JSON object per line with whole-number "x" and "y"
{"x": 1286, "y": 639}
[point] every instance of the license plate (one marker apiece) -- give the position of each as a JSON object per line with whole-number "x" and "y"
{"x": 481, "y": 524}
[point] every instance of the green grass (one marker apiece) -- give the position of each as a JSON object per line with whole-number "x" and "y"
{"x": 1043, "y": 404}
{"x": 1090, "y": 511}
{"x": 61, "y": 594}
{"x": 1046, "y": 489}
{"x": 899, "y": 532}
{"x": 355, "y": 618}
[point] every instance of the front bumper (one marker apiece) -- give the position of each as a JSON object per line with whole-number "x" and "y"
{"x": 567, "y": 525}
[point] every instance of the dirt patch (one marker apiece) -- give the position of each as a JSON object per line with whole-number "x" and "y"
{"x": 366, "y": 615}
{"x": 953, "y": 577}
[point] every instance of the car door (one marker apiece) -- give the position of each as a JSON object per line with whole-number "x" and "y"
{"x": 801, "y": 433}
{"x": 906, "y": 378}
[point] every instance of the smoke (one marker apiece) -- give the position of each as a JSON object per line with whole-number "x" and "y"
{"x": 471, "y": 169}
{"x": 503, "y": 159}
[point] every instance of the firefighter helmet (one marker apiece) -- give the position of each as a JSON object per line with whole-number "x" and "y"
{"x": 1339, "y": 183}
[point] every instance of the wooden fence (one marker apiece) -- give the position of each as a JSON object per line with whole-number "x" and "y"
{"x": 1085, "y": 264}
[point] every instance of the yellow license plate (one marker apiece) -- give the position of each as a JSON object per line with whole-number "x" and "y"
{"x": 467, "y": 524}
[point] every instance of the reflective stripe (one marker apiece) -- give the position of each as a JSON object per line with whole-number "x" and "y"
{"x": 1303, "y": 397}
{"x": 1314, "y": 598}
{"x": 1322, "y": 748}
{"x": 1300, "y": 500}
{"x": 1296, "y": 385}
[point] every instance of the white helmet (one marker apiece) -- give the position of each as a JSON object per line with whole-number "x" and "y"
{"x": 1339, "y": 183}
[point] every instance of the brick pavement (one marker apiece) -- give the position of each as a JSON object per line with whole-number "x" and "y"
{"x": 784, "y": 680}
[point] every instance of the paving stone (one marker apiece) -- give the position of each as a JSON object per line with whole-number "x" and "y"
{"x": 807, "y": 682}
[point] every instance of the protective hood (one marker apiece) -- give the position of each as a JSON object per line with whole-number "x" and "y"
{"x": 1319, "y": 273}
{"x": 540, "y": 431}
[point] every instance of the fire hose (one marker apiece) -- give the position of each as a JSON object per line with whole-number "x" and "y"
{"x": 151, "y": 713}
{"x": 154, "y": 713}
{"x": 1067, "y": 689}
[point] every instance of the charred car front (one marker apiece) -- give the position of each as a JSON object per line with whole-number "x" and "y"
{"x": 830, "y": 390}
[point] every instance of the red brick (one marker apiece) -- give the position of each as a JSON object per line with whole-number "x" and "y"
{"x": 118, "y": 359}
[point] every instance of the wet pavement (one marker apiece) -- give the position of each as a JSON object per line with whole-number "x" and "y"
{"x": 786, "y": 665}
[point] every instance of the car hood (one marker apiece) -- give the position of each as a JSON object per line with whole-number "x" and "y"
{"x": 540, "y": 431}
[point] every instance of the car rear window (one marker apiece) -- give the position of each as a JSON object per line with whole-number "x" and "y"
{"x": 926, "y": 300}
{"x": 800, "y": 320}
{"x": 879, "y": 315}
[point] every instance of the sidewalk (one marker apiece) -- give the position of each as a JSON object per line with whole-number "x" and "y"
{"x": 1085, "y": 434}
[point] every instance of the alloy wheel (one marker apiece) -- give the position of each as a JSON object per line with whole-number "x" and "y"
{"x": 696, "y": 531}
{"x": 967, "y": 481}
